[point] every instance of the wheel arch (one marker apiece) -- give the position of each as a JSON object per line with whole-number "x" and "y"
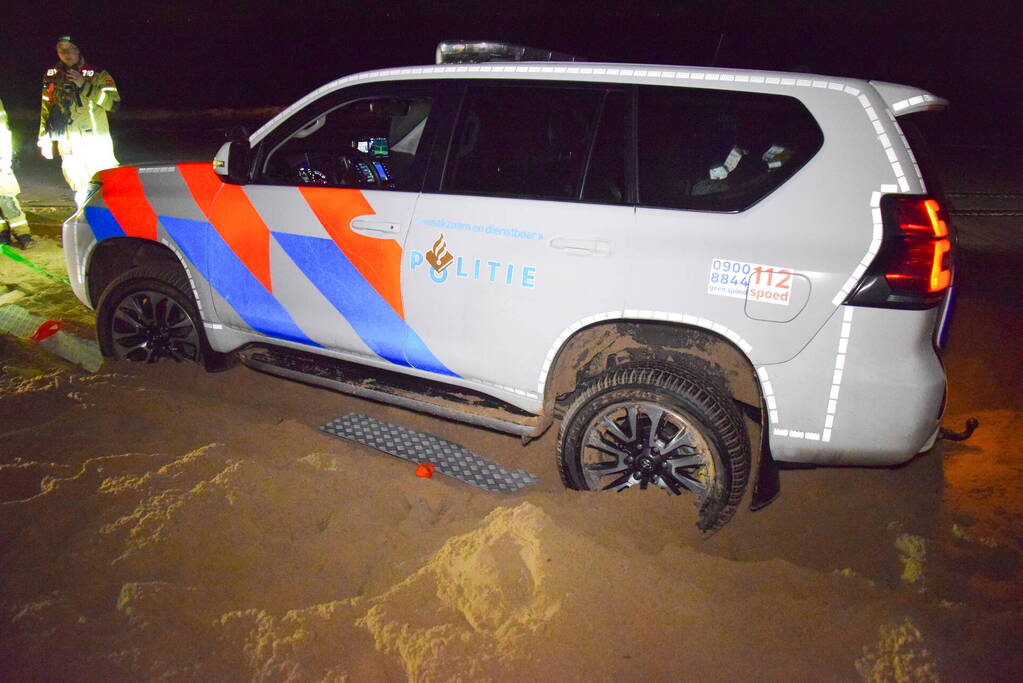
{"x": 596, "y": 348}
{"x": 117, "y": 255}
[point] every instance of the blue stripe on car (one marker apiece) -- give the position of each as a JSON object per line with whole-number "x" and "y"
{"x": 372, "y": 318}
{"x": 102, "y": 222}
{"x": 232, "y": 280}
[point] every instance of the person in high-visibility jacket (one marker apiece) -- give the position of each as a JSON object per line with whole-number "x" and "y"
{"x": 76, "y": 99}
{"x": 13, "y": 224}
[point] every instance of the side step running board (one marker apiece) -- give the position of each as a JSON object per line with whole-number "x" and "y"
{"x": 424, "y": 396}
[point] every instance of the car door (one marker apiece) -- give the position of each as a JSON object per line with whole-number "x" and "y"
{"x": 310, "y": 250}
{"x": 521, "y": 237}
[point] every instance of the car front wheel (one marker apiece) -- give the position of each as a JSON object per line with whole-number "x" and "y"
{"x": 146, "y": 315}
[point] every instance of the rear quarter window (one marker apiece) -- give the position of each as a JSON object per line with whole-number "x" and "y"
{"x": 715, "y": 150}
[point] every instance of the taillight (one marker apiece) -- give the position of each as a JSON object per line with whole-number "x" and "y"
{"x": 913, "y": 267}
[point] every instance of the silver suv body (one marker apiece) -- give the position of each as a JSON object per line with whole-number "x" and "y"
{"x": 681, "y": 265}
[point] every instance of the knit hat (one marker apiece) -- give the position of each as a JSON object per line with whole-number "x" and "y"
{"x": 68, "y": 39}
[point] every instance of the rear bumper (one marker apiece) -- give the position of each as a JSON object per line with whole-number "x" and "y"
{"x": 868, "y": 390}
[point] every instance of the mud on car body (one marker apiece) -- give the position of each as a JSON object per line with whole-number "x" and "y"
{"x": 692, "y": 270}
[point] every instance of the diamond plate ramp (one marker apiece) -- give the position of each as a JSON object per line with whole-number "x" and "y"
{"x": 447, "y": 457}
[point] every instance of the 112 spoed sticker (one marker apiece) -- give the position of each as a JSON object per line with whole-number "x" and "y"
{"x": 753, "y": 281}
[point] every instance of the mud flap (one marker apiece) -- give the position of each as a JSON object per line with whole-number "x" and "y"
{"x": 766, "y": 480}
{"x": 768, "y": 484}
{"x": 448, "y": 458}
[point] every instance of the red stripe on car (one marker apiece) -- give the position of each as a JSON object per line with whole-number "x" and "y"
{"x": 377, "y": 260}
{"x": 233, "y": 217}
{"x": 126, "y": 198}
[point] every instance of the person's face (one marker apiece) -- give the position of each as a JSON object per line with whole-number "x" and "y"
{"x": 68, "y": 53}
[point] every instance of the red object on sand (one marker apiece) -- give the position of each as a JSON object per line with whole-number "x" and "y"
{"x": 424, "y": 470}
{"x": 46, "y": 330}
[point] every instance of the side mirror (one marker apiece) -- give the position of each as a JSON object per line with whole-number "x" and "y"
{"x": 232, "y": 162}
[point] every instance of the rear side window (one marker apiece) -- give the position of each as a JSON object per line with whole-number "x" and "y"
{"x": 523, "y": 141}
{"x": 715, "y": 150}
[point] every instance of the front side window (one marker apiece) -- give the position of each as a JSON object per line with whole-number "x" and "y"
{"x": 717, "y": 150}
{"x": 371, "y": 143}
{"x": 523, "y": 141}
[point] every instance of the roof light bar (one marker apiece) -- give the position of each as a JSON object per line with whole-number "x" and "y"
{"x": 475, "y": 51}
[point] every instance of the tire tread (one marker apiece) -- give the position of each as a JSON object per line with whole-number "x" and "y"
{"x": 716, "y": 408}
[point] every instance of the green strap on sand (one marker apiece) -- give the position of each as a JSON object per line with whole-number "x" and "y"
{"x": 15, "y": 256}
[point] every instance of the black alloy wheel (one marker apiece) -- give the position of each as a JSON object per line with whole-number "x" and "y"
{"x": 148, "y": 326}
{"x": 149, "y": 315}
{"x": 649, "y": 427}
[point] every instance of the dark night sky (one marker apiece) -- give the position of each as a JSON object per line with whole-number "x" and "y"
{"x": 185, "y": 54}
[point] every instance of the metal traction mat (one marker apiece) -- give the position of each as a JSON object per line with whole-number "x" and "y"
{"x": 447, "y": 457}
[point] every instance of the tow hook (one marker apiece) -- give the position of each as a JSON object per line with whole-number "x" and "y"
{"x": 949, "y": 435}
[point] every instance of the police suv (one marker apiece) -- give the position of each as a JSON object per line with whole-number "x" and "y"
{"x": 695, "y": 271}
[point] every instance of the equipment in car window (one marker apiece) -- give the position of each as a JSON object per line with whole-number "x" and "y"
{"x": 377, "y": 147}
{"x": 776, "y": 155}
{"x": 365, "y": 172}
{"x": 721, "y": 171}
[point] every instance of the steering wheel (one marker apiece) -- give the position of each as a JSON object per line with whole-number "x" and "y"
{"x": 354, "y": 169}
{"x": 311, "y": 169}
{"x": 310, "y": 176}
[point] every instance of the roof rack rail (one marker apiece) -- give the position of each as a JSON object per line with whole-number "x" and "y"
{"x": 475, "y": 51}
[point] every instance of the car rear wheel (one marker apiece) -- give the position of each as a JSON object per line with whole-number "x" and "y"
{"x": 146, "y": 315}
{"x": 651, "y": 427}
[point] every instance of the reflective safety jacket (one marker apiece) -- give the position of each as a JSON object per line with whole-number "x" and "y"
{"x": 70, "y": 113}
{"x": 8, "y": 183}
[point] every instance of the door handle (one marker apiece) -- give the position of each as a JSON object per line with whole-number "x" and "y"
{"x": 581, "y": 247}
{"x": 374, "y": 225}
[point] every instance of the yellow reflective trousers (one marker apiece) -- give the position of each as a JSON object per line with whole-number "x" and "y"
{"x": 11, "y": 215}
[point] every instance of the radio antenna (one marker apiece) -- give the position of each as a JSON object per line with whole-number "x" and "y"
{"x": 717, "y": 50}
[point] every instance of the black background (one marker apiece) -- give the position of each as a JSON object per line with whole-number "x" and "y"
{"x": 231, "y": 54}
